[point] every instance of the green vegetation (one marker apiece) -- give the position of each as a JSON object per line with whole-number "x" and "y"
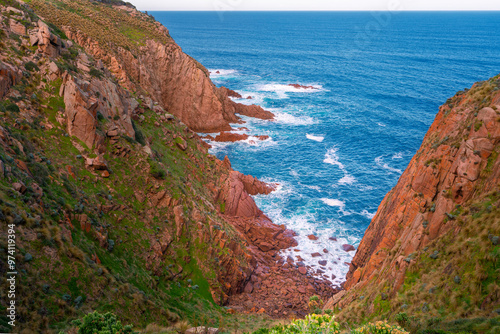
{"x": 95, "y": 323}
{"x": 313, "y": 323}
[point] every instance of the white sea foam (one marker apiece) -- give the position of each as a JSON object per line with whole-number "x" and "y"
{"x": 255, "y": 98}
{"x": 380, "y": 162}
{"x": 315, "y": 138}
{"x": 332, "y": 158}
{"x": 333, "y": 202}
{"x": 286, "y": 118}
{"x": 251, "y": 143}
{"x": 304, "y": 221}
{"x": 347, "y": 179}
{"x": 381, "y": 124}
{"x": 221, "y": 72}
{"x": 367, "y": 214}
{"x": 398, "y": 155}
{"x": 282, "y": 89}
{"x": 317, "y": 188}
{"x": 254, "y": 141}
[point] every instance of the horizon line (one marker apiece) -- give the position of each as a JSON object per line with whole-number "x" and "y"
{"x": 321, "y": 10}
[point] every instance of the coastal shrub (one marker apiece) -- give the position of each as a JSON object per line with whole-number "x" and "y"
{"x": 31, "y": 66}
{"x": 402, "y": 319}
{"x": 12, "y": 107}
{"x": 315, "y": 304}
{"x": 139, "y": 136}
{"x": 96, "y": 73}
{"x": 312, "y": 324}
{"x": 96, "y": 323}
{"x": 156, "y": 170}
{"x": 379, "y": 327}
{"x": 63, "y": 66}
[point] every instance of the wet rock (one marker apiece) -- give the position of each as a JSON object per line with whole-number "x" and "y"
{"x": 303, "y": 270}
{"x": 312, "y": 237}
{"x": 231, "y": 93}
{"x": 348, "y": 248}
{"x": 316, "y": 255}
{"x": 323, "y": 262}
{"x": 301, "y": 86}
{"x": 230, "y": 137}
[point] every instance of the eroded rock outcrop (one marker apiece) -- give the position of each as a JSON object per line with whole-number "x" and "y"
{"x": 9, "y": 76}
{"x": 178, "y": 82}
{"x": 46, "y": 41}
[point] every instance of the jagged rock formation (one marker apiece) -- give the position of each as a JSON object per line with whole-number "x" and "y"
{"x": 156, "y": 65}
{"x": 434, "y": 200}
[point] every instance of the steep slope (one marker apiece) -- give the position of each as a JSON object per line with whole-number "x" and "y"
{"x": 114, "y": 202}
{"x": 140, "y": 53}
{"x": 432, "y": 248}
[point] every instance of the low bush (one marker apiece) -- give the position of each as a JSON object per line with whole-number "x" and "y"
{"x": 379, "y": 327}
{"x": 313, "y": 323}
{"x": 31, "y": 66}
{"x": 96, "y": 323}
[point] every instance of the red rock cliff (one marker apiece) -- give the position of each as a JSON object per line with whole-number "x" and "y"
{"x": 458, "y": 160}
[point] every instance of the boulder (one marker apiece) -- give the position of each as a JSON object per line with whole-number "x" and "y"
{"x": 17, "y": 27}
{"x": 348, "y": 248}
{"x": 230, "y": 137}
{"x": 19, "y": 187}
{"x": 301, "y": 86}
{"x": 181, "y": 143}
{"x": 202, "y": 330}
{"x": 81, "y": 122}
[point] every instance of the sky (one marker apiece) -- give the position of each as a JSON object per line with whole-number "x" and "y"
{"x": 227, "y": 5}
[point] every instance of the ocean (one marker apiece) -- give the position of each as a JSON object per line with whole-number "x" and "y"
{"x": 336, "y": 150}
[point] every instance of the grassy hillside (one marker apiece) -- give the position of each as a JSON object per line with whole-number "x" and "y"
{"x": 88, "y": 239}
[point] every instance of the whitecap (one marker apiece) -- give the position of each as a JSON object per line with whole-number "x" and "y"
{"x": 285, "y": 118}
{"x": 367, "y": 214}
{"x": 333, "y": 202}
{"x": 398, "y": 155}
{"x": 317, "y": 188}
{"x": 315, "y": 138}
{"x": 332, "y": 158}
{"x": 282, "y": 89}
{"x": 347, "y": 179}
{"x": 381, "y": 124}
{"x": 379, "y": 161}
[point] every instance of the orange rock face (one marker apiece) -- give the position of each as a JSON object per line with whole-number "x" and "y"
{"x": 9, "y": 76}
{"x": 179, "y": 83}
{"x": 445, "y": 172}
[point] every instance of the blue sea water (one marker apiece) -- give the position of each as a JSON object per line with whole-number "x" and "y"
{"x": 338, "y": 149}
